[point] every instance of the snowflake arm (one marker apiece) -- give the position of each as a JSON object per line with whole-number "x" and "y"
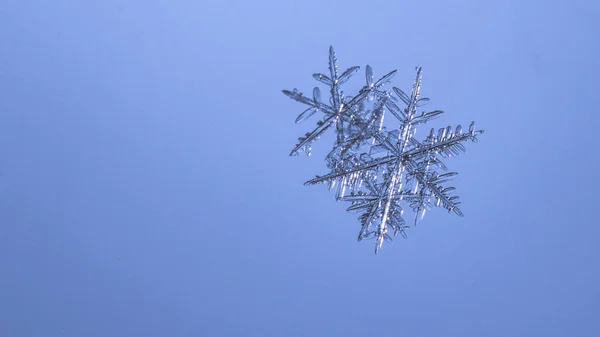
{"x": 342, "y": 109}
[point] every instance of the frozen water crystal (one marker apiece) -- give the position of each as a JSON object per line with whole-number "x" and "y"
{"x": 375, "y": 169}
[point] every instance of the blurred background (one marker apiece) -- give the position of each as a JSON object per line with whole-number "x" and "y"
{"x": 146, "y": 188}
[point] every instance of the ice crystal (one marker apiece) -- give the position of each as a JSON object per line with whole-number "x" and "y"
{"x": 375, "y": 169}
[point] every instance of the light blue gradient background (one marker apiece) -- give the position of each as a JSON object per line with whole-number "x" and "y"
{"x": 146, "y": 188}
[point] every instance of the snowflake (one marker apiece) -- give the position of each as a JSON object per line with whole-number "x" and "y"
{"x": 375, "y": 169}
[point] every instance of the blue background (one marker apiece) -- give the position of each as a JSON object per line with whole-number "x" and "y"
{"x": 146, "y": 188}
